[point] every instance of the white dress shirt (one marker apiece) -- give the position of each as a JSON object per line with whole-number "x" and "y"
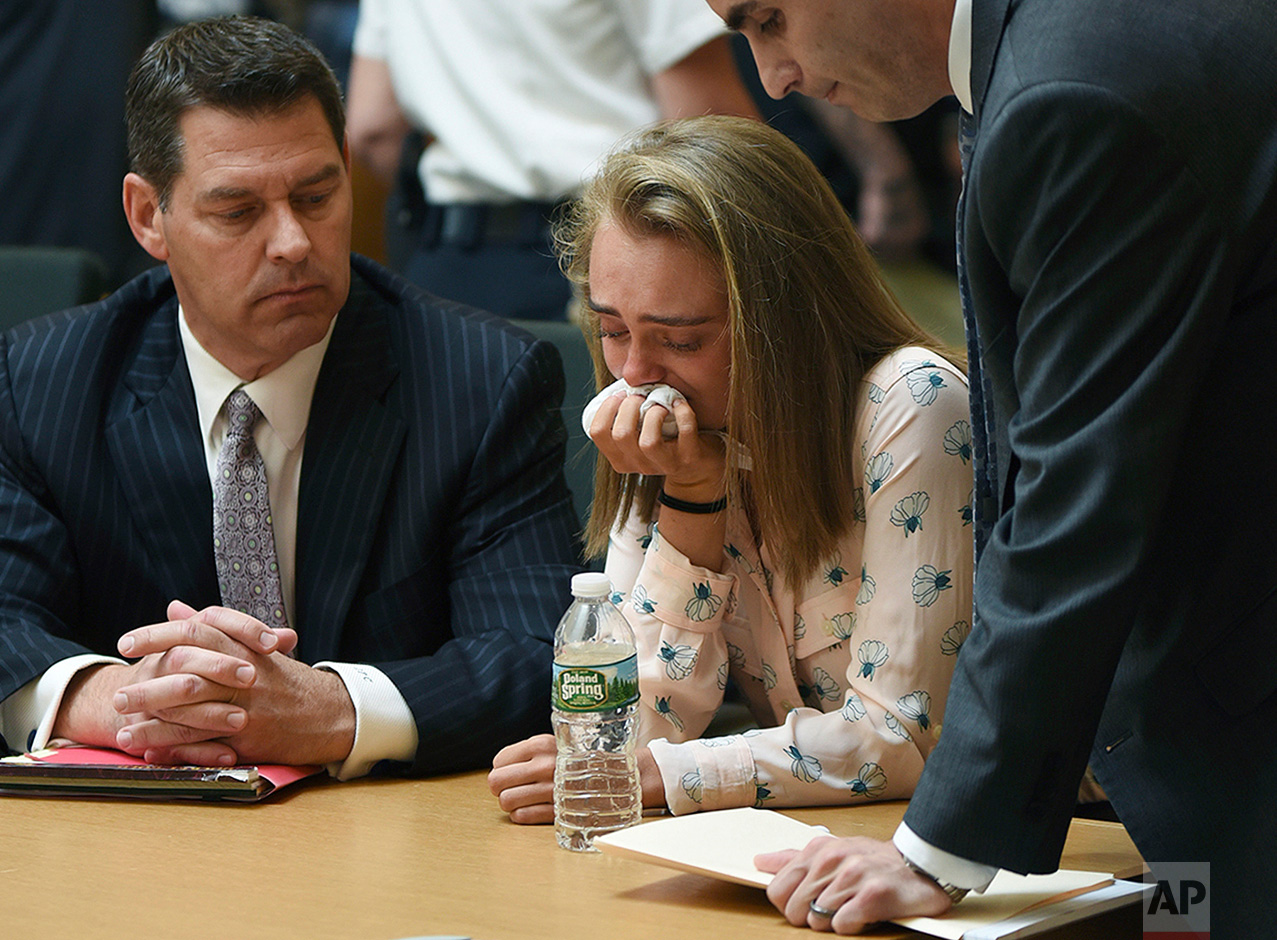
{"x": 949, "y": 868}
{"x": 384, "y": 726}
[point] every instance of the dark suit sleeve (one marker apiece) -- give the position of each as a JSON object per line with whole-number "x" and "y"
{"x": 511, "y": 556}
{"x": 1111, "y": 255}
{"x": 39, "y": 587}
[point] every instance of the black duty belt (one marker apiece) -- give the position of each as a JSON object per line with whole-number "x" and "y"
{"x": 472, "y": 225}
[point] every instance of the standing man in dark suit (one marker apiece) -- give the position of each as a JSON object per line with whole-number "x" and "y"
{"x": 270, "y": 427}
{"x": 1119, "y": 237}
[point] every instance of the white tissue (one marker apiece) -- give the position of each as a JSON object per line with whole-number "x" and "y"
{"x": 663, "y": 395}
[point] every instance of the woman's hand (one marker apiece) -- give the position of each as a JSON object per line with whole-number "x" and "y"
{"x": 692, "y": 464}
{"x": 522, "y": 779}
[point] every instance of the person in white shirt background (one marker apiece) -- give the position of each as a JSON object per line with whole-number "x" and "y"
{"x": 517, "y": 102}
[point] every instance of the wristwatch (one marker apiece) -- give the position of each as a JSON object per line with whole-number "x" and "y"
{"x": 954, "y": 893}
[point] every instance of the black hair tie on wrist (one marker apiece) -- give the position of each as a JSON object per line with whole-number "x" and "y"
{"x": 699, "y": 509}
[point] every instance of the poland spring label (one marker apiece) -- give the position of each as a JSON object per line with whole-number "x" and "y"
{"x": 595, "y": 688}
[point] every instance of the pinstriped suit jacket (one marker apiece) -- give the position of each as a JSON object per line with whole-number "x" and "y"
{"x": 434, "y": 535}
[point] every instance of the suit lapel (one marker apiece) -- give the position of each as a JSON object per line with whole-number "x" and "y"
{"x": 988, "y": 18}
{"x": 353, "y": 441}
{"x": 154, "y": 440}
{"x": 987, "y": 23}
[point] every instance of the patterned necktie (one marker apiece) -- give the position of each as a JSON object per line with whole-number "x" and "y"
{"x": 983, "y": 505}
{"x": 243, "y": 540}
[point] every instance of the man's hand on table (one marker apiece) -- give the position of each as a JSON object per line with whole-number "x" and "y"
{"x": 211, "y": 687}
{"x": 522, "y": 779}
{"x": 861, "y": 880}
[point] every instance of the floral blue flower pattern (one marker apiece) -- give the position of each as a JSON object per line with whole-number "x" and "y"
{"x": 843, "y": 625}
{"x": 769, "y": 677}
{"x": 867, "y": 587}
{"x": 872, "y": 654}
{"x": 737, "y": 556}
{"x": 877, "y": 471}
{"x": 761, "y": 793}
{"x": 917, "y": 707}
{"x": 825, "y": 686}
{"x": 907, "y": 514}
{"x": 679, "y": 660}
{"x": 870, "y": 782}
{"x": 954, "y": 637}
{"x": 957, "y": 441}
{"x": 663, "y": 709}
{"x": 853, "y": 709}
{"x": 805, "y": 767}
{"x": 895, "y": 727}
{"x": 692, "y": 786}
{"x": 924, "y": 379}
{"x": 725, "y": 741}
{"x": 642, "y": 603}
{"x": 928, "y": 583}
{"x": 704, "y": 603}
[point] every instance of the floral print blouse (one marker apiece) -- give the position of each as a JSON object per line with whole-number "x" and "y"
{"x": 847, "y": 673}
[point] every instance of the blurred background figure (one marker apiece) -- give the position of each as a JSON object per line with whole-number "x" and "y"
{"x": 515, "y": 102}
{"x": 63, "y": 67}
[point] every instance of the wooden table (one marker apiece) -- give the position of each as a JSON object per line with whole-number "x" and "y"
{"x": 382, "y": 859}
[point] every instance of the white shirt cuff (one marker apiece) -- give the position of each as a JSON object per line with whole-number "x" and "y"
{"x": 947, "y": 867}
{"x": 384, "y": 726}
{"x": 697, "y": 777}
{"x": 27, "y": 716}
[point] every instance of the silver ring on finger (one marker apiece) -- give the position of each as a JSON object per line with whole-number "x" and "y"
{"x": 821, "y": 911}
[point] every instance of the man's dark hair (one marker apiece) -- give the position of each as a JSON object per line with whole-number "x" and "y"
{"x": 240, "y": 64}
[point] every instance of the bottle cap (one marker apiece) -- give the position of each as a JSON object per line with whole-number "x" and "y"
{"x": 591, "y": 584}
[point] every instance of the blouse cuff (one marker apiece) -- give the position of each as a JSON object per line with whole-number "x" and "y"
{"x": 682, "y": 594}
{"x": 700, "y": 776}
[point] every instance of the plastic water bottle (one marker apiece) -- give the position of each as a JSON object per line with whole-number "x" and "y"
{"x": 595, "y": 715}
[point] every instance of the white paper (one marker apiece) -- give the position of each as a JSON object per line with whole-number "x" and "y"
{"x": 722, "y": 844}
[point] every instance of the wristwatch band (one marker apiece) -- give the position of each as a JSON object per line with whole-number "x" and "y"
{"x": 954, "y": 893}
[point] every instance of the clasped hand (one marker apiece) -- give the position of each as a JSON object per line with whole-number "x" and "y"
{"x": 215, "y": 687}
{"x": 634, "y": 443}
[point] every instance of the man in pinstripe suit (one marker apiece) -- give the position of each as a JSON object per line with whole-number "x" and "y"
{"x": 412, "y": 449}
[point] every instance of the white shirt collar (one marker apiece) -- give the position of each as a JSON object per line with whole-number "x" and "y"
{"x": 960, "y": 54}
{"x": 283, "y": 394}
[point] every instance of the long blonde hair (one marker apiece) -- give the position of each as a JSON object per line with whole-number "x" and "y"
{"x": 808, "y": 315}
